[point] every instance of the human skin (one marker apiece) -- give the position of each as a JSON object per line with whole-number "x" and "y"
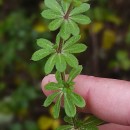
{"x": 108, "y": 99}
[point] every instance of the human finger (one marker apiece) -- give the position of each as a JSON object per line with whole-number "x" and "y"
{"x": 108, "y": 99}
{"x": 112, "y": 126}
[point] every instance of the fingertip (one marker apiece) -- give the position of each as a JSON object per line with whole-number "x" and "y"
{"x": 46, "y": 80}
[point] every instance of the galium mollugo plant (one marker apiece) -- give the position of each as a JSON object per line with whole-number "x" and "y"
{"x": 64, "y": 16}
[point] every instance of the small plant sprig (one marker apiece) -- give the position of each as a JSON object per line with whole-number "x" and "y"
{"x": 65, "y": 15}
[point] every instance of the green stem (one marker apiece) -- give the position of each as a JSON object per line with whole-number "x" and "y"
{"x": 63, "y": 75}
{"x": 59, "y": 49}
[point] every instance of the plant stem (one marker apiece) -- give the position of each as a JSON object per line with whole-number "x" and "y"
{"x": 59, "y": 49}
{"x": 68, "y": 11}
{"x": 73, "y": 118}
{"x": 63, "y": 76}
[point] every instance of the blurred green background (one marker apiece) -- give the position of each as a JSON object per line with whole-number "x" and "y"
{"x": 21, "y": 98}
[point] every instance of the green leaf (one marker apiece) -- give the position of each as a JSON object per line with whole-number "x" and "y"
{"x": 65, "y": 31}
{"x": 57, "y": 107}
{"x": 71, "y": 60}
{"x": 78, "y": 2}
{"x": 70, "y": 108}
{"x": 44, "y": 43}
{"x": 51, "y": 86}
{"x": 68, "y": 120}
{"x": 55, "y": 24}
{"x": 60, "y": 63}
{"x": 50, "y": 64}
{"x": 92, "y": 120}
{"x": 90, "y": 127}
{"x": 54, "y": 5}
{"x": 65, "y": 127}
{"x": 50, "y": 14}
{"x": 71, "y": 41}
{"x": 81, "y": 19}
{"x": 91, "y": 123}
{"x": 40, "y": 54}
{"x": 74, "y": 28}
{"x": 76, "y": 48}
{"x": 80, "y": 9}
{"x": 65, "y": 6}
{"x": 78, "y": 100}
{"x": 74, "y": 72}
{"x": 58, "y": 77}
{"x": 58, "y": 38}
{"x": 50, "y": 99}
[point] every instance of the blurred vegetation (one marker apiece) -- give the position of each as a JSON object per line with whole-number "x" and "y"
{"x": 21, "y": 98}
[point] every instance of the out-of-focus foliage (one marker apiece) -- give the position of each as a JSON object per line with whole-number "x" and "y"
{"x": 21, "y": 99}
{"x": 108, "y": 39}
{"x": 20, "y": 94}
{"x": 121, "y": 61}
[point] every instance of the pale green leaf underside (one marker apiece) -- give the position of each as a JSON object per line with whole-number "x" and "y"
{"x": 58, "y": 77}
{"x": 50, "y": 99}
{"x": 50, "y": 64}
{"x": 57, "y": 107}
{"x": 78, "y": 100}
{"x": 71, "y": 41}
{"x": 53, "y": 4}
{"x": 60, "y": 63}
{"x": 58, "y": 38}
{"x": 44, "y": 43}
{"x": 80, "y": 9}
{"x": 64, "y": 127}
{"x": 71, "y": 60}
{"x": 50, "y": 14}
{"x": 40, "y": 54}
{"x": 51, "y": 86}
{"x": 73, "y": 27}
{"x": 65, "y": 30}
{"x": 55, "y": 24}
{"x": 70, "y": 108}
{"x": 65, "y": 6}
{"x": 76, "y": 48}
{"x": 74, "y": 72}
{"x": 81, "y": 19}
